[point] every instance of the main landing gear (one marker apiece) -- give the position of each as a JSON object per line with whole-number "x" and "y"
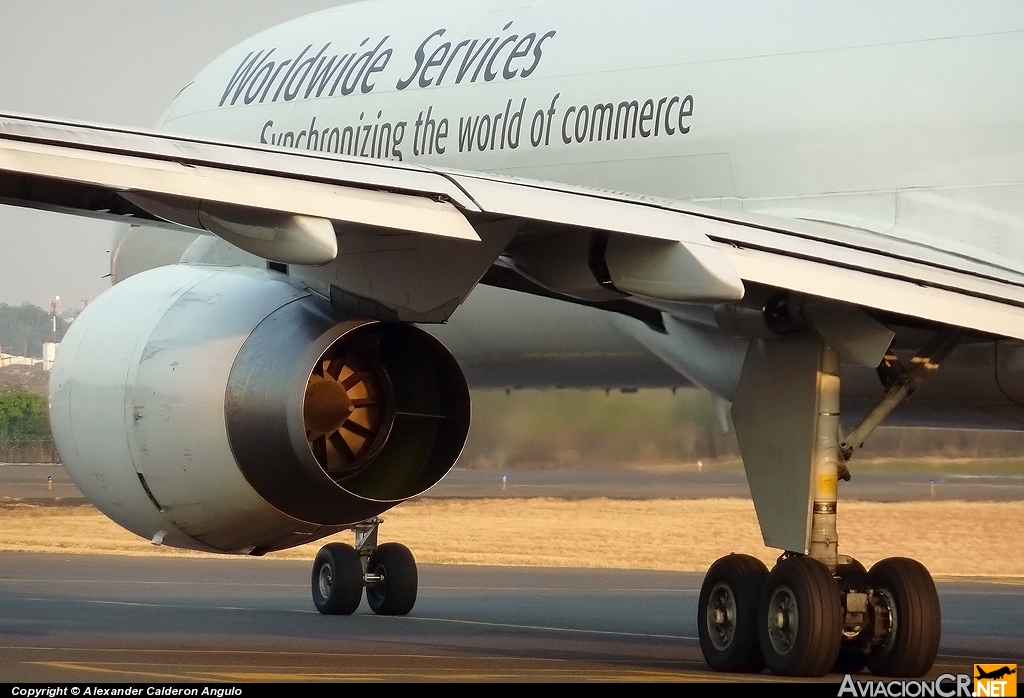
{"x": 387, "y": 571}
{"x": 802, "y": 620}
{"x": 816, "y": 611}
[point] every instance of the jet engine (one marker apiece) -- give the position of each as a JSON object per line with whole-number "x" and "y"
{"x": 224, "y": 409}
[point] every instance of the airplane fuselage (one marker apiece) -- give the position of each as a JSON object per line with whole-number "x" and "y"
{"x": 861, "y": 168}
{"x": 894, "y": 119}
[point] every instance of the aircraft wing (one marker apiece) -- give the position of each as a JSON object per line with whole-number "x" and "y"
{"x": 592, "y": 245}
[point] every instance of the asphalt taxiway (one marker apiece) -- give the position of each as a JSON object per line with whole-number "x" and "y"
{"x": 77, "y": 618}
{"x": 29, "y": 483}
{"x": 93, "y": 618}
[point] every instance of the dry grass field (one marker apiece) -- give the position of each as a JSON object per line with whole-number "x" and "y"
{"x": 950, "y": 538}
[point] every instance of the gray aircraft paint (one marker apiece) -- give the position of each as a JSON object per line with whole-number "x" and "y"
{"x": 899, "y": 119}
{"x": 879, "y": 117}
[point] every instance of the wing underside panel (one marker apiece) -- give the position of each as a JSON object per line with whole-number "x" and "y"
{"x": 650, "y": 252}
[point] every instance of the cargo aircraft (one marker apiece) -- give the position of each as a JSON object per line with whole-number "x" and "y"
{"x": 814, "y": 210}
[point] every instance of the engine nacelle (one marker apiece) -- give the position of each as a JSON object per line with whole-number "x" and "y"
{"x": 226, "y": 410}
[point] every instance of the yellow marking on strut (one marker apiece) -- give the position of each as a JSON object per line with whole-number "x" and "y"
{"x": 827, "y": 484}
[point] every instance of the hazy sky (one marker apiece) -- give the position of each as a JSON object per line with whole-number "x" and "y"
{"x": 110, "y": 61}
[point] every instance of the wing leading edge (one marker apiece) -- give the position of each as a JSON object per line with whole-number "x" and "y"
{"x": 582, "y": 243}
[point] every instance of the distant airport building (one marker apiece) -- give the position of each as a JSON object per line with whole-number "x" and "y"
{"x": 49, "y": 355}
{"x": 10, "y": 360}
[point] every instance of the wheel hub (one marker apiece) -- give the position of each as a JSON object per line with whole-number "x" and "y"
{"x": 722, "y": 616}
{"x": 783, "y": 620}
{"x": 382, "y": 577}
{"x": 885, "y": 620}
{"x": 325, "y": 581}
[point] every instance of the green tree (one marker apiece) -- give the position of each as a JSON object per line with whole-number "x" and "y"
{"x": 23, "y": 417}
{"x": 25, "y": 328}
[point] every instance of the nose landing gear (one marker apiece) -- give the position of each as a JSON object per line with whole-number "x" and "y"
{"x": 387, "y": 571}
{"x": 337, "y": 580}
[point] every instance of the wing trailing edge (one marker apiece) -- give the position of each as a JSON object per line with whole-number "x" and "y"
{"x": 583, "y": 243}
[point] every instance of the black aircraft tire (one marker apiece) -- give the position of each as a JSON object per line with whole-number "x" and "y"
{"x": 337, "y": 580}
{"x": 727, "y": 614}
{"x": 913, "y": 642}
{"x": 800, "y": 618}
{"x": 396, "y": 595}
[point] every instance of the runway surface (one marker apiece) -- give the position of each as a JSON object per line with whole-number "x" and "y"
{"x": 29, "y": 482}
{"x": 93, "y": 618}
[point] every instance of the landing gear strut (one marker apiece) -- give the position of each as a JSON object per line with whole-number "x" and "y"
{"x": 816, "y": 611}
{"x": 387, "y": 571}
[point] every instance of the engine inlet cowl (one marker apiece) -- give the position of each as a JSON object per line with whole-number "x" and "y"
{"x": 225, "y": 409}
